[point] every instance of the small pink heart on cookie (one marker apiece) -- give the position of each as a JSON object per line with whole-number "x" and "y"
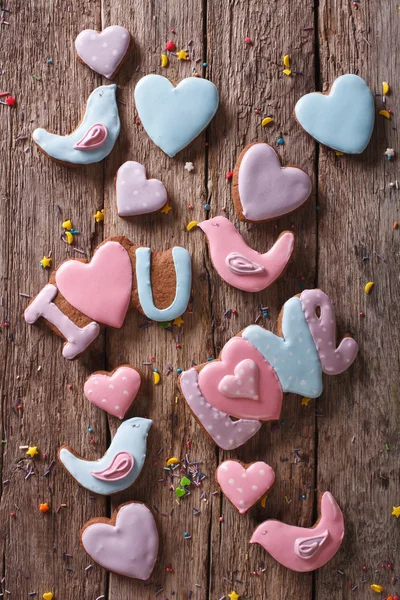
{"x": 113, "y": 392}
{"x": 243, "y": 384}
{"x": 244, "y": 486}
{"x": 103, "y": 52}
{"x": 137, "y": 195}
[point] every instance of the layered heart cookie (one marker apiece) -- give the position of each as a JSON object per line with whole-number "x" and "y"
{"x": 262, "y": 189}
{"x": 244, "y": 485}
{"x": 106, "y": 51}
{"x": 126, "y": 544}
{"x": 257, "y": 367}
{"x": 113, "y": 391}
{"x": 137, "y": 195}
{"x": 175, "y": 116}
{"x": 343, "y": 119}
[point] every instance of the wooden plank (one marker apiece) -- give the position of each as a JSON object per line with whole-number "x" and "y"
{"x": 357, "y": 211}
{"x": 250, "y": 77}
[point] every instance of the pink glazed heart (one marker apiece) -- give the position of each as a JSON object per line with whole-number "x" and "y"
{"x": 244, "y": 486}
{"x": 103, "y": 52}
{"x": 113, "y": 392}
{"x": 102, "y": 288}
{"x": 137, "y": 195}
{"x": 267, "y": 190}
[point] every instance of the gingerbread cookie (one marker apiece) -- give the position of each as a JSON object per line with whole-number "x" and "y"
{"x": 244, "y": 485}
{"x": 262, "y": 189}
{"x": 80, "y": 295}
{"x": 174, "y": 116}
{"x": 121, "y": 464}
{"x": 113, "y": 391}
{"x": 256, "y": 367}
{"x": 304, "y": 549}
{"x": 137, "y": 195}
{"x": 343, "y": 118}
{"x": 94, "y": 137}
{"x": 105, "y": 51}
{"x": 126, "y": 544}
{"x": 239, "y": 265}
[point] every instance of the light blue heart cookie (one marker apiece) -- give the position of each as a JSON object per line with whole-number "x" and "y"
{"x": 342, "y": 120}
{"x": 174, "y": 116}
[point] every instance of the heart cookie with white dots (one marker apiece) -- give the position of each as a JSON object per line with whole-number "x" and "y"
{"x": 137, "y": 195}
{"x": 105, "y": 51}
{"x": 244, "y": 485}
{"x": 113, "y": 391}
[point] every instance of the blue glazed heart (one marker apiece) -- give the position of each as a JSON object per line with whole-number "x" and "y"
{"x": 174, "y": 116}
{"x": 342, "y": 120}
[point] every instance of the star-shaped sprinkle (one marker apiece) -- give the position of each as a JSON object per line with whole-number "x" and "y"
{"x": 396, "y": 511}
{"x": 32, "y": 451}
{"x": 99, "y": 216}
{"x": 390, "y": 152}
{"x": 45, "y": 263}
{"x": 305, "y": 401}
{"x": 233, "y": 596}
{"x": 189, "y": 166}
{"x": 166, "y": 209}
{"x": 44, "y": 508}
{"x": 182, "y": 55}
{"x": 178, "y": 321}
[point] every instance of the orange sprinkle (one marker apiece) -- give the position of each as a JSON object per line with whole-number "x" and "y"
{"x": 44, "y": 508}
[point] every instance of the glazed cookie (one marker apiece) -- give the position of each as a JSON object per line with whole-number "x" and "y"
{"x": 94, "y": 138}
{"x": 120, "y": 466}
{"x": 113, "y": 391}
{"x": 343, "y": 118}
{"x": 256, "y": 367}
{"x": 137, "y": 195}
{"x": 174, "y": 116}
{"x": 301, "y": 549}
{"x": 244, "y": 485}
{"x": 262, "y": 189}
{"x": 105, "y": 51}
{"x": 239, "y": 265}
{"x": 80, "y": 295}
{"x": 126, "y": 544}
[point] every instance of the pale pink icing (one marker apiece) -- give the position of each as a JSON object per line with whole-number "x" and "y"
{"x": 243, "y": 486}
{"x": 120, "y": 466}
{"x": 323, "y": 330}
{"x": 244, "y": 382}
{"x": 290, "y": 545}
{"x": 113, "y": 393}
{"x": 130, "y": 547}
{"x": 269, "y": 403}
{"x": 224, "y": 239}
{"x": 78, "y": 339}
{"x": 241, "y": 265}
{"x": 137, "y": 195}
{"x": 268, "y": 190}
{"x": 95, "y": 137}
{"x": 102, "y": 288}
{"x": 103, "y": 52}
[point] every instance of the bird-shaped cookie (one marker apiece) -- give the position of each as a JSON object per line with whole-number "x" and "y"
{"x": 121, "y": 464}
{"x": 237, "y": 263}
{"x": 93, "y": 139}
{"x": 301, "y": 549}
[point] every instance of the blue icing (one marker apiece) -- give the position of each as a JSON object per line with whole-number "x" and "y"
{"x": 131, "y": 437}
{"x": 174, "y": 116}
{"x": 183, "y": 270}
{"x": 344, "y": 120}
{"x": 294, "y": 358}
{"x": 101, "y": 108}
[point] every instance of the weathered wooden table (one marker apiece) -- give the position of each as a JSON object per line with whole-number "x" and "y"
{"x": 348, "y": 439}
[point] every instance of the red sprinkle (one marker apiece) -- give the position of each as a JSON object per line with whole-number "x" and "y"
{"x": 2, "y": 94}
{"x": 229, "y": 175}
{"x": 10, "y": 101}
{"x": 12, "y": 514}
{"x": 170, "y": 46}
{"x": 362, "y": 314}
{"x": 247, "y": 40}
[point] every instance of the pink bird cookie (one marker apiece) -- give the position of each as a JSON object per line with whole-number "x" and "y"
{"x": 304, "y": 549}
{"x": 244, "y": 485}
{"x": 237, "y": 263}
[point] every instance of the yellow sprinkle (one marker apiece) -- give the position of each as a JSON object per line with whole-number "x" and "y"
{"x": 384, "y": 113}
{"x": 164, "y": 60}
{"x": 45, "y": 263}
{"x": 338, "y": 153}
{"x": 69, "y": 236}
{"x": 266, "y": 121}
{"x": 369, "y": 287}
{"x": 287, "y": 72}
{"x": 67, "y": 224}
{"x": 286, "y": 60}
{"x": 166, "y": 209}
{"x": 99, "y": 216}
{"x": 190, "y": 225}
{"x": 305, "y": 401}
{"x": 263, "y": 500}
{"x": 376, "y": 588}
{"x": 182, "y": 55}
{"x": 156, "y": 378}
{"x": 178, "y": 321}
{"x": 385, "y": 88}
{"x": 172, "y": 461}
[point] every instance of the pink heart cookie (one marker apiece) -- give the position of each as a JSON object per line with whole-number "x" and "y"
{"x": 113, "y": 392}
{"x": 137, "y": 195}
{"x": 102, "y": 288}
{"x": 103, "y": 52}
{"x": 212, "y": 379}
{"x": 242, "y": 485}
{"x": 262, "y": 189}
{"x": 244, "y": 382}
{"x": 126, "y": 544}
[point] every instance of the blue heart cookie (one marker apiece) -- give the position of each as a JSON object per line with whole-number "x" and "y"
{"x": 342, "y": 120}
{"x": 174, "y": 116}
